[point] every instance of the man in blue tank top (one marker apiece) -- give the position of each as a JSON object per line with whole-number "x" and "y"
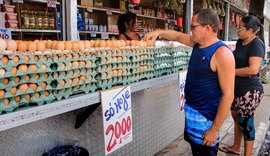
{"x": 209, "y": 89}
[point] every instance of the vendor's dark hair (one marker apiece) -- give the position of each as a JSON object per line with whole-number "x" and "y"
{"x": 252, "y": 22}
{"x": 125, "y": 18}
{"x": 208, "y": 17}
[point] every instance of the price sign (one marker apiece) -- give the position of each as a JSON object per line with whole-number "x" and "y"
{"x": 5, "y": 34}
{"x": 182, "y": 83}
{"x": 93, "y": 35}
{"x": 51, "y": 3}
{"x": 117, "y": 119}
{"x": 108, "y": 12}
{"x": 17, "y": 1}
{"x": 104, "y": 36}
{"x": 89, "y": 9}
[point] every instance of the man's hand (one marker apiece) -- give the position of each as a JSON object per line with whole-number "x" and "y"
{"x": 151, "y": 37}
{"x": 210, "y": 137}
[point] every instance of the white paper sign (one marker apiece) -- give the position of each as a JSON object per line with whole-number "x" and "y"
{"x": 93, "y": 35}
{"x": 17, "y": 1}
{"x": 5, "y": 34}
{"x": 117, "y": 119}
{"x": 104, "y": 36}
{"x": 51, "y": 3}
{"x": 182, "y": 83}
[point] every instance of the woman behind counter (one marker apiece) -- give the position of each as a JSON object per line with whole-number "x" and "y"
{"x": 127, "y": 26}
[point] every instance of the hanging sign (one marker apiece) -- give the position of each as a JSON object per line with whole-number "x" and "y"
{"x": 5, "y": 34}
{"x": 93, "y": 35}
{"x": 51, "y": 3}
{"x": 117, "y": 119}
{"x": 108, "y": 12}
{"x": 104, "y": 36}
{"x": 182, "y": 83}
{"x": 89, "y": 9}
{"x": 17, "y": 1}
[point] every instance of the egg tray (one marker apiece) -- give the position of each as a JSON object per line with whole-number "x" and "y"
{"x": 68, "y": 56}
{"x": 29, "y": 91}
{"x": 179, "y": 68}
{"x": 179, "y": 59}
{"x": 22, "y": 55}
{"x": 58, "y": 85}
{"x": 160, "y": 72}
{"x": 102, "y": 71}
{"x": 179, "y": 63}
{"x": 24, "y": 103}
{"x": 74, "y": 75}
{"x": 32, "y": 79}
{"x": 61, "y": 94}
{"x": 56, "y": 67}
{"x": 29, "y": 71}
{"x": 114, "y": 82}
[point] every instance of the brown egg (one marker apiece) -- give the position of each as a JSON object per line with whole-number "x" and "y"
{"x": 76, "y": 55}
{"x": 32, "y": 47}
{"x": 54, "y": 44}
{"x": 37, "y": 95}
{"x": 23, "y": 88}
{"x": 41, "y": 46}
{"x": 71, "y": 73}
{"x": 46, "y": 93}
{"x": 69, "y": 65}
{"x": 2, "y": 93}
{"x": 11, "y": 45}
{"x": 92, "y": 43}
{"x": 5, "y": 81}
{"x": 109, "y": 43}
{"x": 87, "y": 44}
{"x": 6, "y": 101}
{"x": 26, "y": 58}
{"x": 127, "y": 43}
{"x": 56, "y": 75}
{"x": 68, "y": 45}
{"x": 70, "y": 56}
{"x": 33, "y": 67}
{"x": 17, "y": 99}
{"x": 3, "y": 45}
{"x": 63, "y": 66}
{"x": 82, "y": 78}
{"x": 90, "y": 63}
{"x": 123, "y": 43}
{"x": 45, "y": 58}
{"x": 27, "y": 97}
{"x": 81, "y": 45}
{"x": 43, "y": 67}
{"x": 2, "y": 72}
{"x": 45, "y": 76}
{"x": 64, "y": 74}
{"x": 70, "y": 82}
{"x": 82, "y": 63}
{"x": 4, "y": 60}
{"x": 44, "y": 85}
{"x": 22, "y": 46}
{"x": 49, "y": 44}
{"x": 133, "y": 43}
{"x": 36, "y": 58}
{"x": 36, "y": 41}
{"x": 60, "y": 45}
{"x": 23, "y": 68}
{"x": 75, "y": 46}
{"x": 63, "y": 83}
{"x": 76, "y": 80}
{"x": 75, "y": 64}
{"x": 36, "y": 77}
{"x": 102, "y": 43}
{"x": 33, "y": 86}
{"x": 13, "y": 71}
{"x": 78, "y": 71}
{"x": 149, "y": 43}
{"x": 26, "y": 78}
{"x": 16, "y": 59}
{"x": 83, "y": 71}
{"x": 96, "y": 43}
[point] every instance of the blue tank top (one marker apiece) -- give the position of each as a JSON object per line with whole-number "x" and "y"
{"x": 202, "y": 90}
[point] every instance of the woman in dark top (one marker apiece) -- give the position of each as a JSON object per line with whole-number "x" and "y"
{"x": 248, "y": 55}
{"x": 127, "y": 26}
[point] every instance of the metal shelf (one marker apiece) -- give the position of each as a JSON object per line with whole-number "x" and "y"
{"x": 35, "y": 31}
{"x": 32, "y": 114}
{"x": 101, "y": 9}
{"x": 41, "y": 1}
{"x": 98, "y": 32}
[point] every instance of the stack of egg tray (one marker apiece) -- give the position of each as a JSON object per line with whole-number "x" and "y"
{"x": 74, "y": 72}
{"x": 162, "y": 61}
{"x": 122, "y": 66}
{"x": 180, "y": 58}
{"x": 23, "y": 70}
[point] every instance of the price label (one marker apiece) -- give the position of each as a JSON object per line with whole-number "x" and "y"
{"x": 51, "y": 3}
{"x": 93, "y": 35}
{"x": 17, "y": 1}
{"x": 117, "y": 118}
{"x": 89, "y": 9}
{"x": 104, "y": 36}
{"x": 108, "y": 12}
{"x": 5, "y": 34}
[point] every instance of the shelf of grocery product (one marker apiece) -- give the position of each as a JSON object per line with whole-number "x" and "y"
{"x": 41, "y": 1}
{"x": 98, "y": 32}
{"x": 35, "y": 30}
{"x": 32, "y": 114}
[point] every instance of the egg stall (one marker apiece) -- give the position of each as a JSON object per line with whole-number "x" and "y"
{"x": 59, "y": 82}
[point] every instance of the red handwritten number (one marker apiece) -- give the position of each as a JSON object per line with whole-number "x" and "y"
{"x": 117, "y": 130}
{"x": 110, "y": 147}
{"x": 124, "y": 126}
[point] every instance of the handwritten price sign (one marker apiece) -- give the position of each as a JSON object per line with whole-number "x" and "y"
{"x": 51, "y": 3}
{"x": 182, "y": 83}
{"x": 5, "y": 34}
{"x": 117, "y": 119}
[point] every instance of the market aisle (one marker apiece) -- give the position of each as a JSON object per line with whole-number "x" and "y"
{"x": 180, "y": 148}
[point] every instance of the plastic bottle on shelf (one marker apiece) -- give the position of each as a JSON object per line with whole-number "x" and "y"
{"x": 32, "y": 19}
{"x": 45, "y": 20}
{"x": 51, "y": 19}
